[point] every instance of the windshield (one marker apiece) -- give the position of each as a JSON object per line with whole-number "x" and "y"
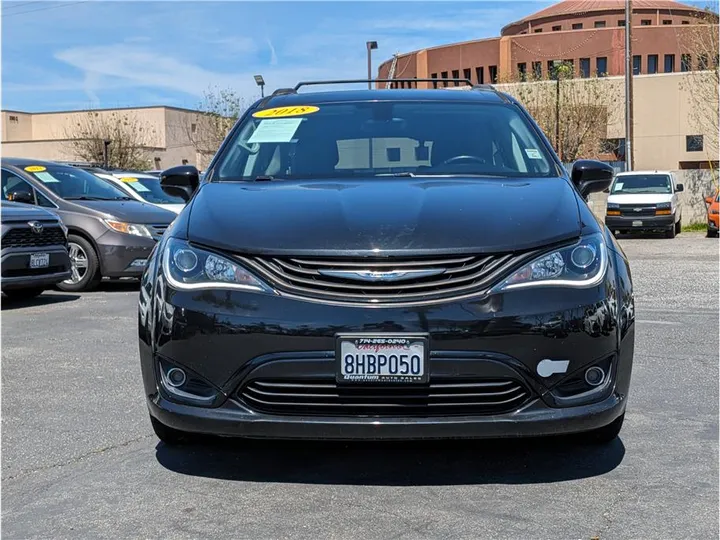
{"x": 642, "y": 183}
{"x": 72, "y": 183}
{"x": 385, "y": 138}
{"x": 149, "y": 189}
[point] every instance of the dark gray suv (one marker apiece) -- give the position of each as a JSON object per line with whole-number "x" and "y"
{"x": 109, "y": 234}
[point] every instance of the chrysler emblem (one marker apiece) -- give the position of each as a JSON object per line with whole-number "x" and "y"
{"x": 36, "y": 226}
{"x": 392, "y": 275}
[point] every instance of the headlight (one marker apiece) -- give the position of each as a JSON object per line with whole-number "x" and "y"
{"x": 714, "y": 211}
{"x": 188, "y": 267}
{"x": 581, "y": 265}
{"x": 663, "y": 209}
{"x": 613, "y": 206}
{"x": 613, "y": 209}
{"x": 129, "y": 228}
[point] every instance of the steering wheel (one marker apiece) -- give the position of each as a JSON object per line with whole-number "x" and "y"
{"x": 464, "y": 159}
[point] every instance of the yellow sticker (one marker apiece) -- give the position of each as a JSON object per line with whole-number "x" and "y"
{"x": 35, "y": 168}
{"x": 279, "y": 112}
{"x": 129, "y": 179}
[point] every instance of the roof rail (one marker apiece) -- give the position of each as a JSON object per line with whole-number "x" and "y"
{"x": 348, "y": 81}
{"x": 283, "y": 91}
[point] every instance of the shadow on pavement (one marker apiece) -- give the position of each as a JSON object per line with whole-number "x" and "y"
{"x": 45, "y": 299}
{"x": 527, "y": 461}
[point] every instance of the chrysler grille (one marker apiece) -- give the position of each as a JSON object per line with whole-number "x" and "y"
{"x": 461, "y": 275}
{"x": 442, "y": 397}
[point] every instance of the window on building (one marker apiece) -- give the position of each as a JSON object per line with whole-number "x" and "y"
{"x": 667, "y": 21}
{"x": 193, "y": 128}
{"x": 556, "y": 28}
{"x": 685, "y": 62}
{"x": 637, "y": 64}
{"x": 577, "y": 26}
{"x": 585, "y": 67}
{"x": 493, "y": 74}
{"x": 621, "y": 22}
{"x": 616, "y": 147}
{"x": 480, "y": 75}
{"x": 652, "y": 64}
{"x": 443, "y": 75}
{"x": 467, "y": 74}
{"x": 537, "y": 70}
{"x": 599, "y": 24}
{"x": 703, "y": 62}
{"x": 551, "y": 68}
{"x": 669, "y": 63}
{"x": 538, "y": 30}
{"x": 686, "y": 22}
{"x": 14, "y": 119}
{"x": 645, "y": 22}
{"x": 434, "y": 76}
{"x": 601, "y": 66}
{"x": 694, "y": 143}
{"x": 456, "y": 75}
{"x": 571, "y": 64}
{"x": 522, "y": 71}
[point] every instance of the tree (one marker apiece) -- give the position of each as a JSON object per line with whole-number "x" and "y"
{"x": 130, "y": 139}
{"x": 217, "y": 113}
{"x": 573, "y": 112}
{"x": 699, "y": 42}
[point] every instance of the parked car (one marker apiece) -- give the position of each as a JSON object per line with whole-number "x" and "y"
{"x": 109, "y": 233}
{"x": 319, "y": 287}
{"x": 143, "y": 187}
{"x": 34, "y": 248}
{"x": 713, "y": 214}
{"x": 645, "y": 201}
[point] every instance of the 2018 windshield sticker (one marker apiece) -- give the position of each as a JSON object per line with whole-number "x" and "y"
{"x": 34, "y": 168}
{"x": 533, "y": 153}
{"x": 275, "y": 131}
{"x": 279, "y": 112}
{"x": 128, "y": 179}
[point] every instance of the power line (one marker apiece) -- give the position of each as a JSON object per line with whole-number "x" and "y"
{"x": 45, "y": 8}
{"x": 13, "y": 5}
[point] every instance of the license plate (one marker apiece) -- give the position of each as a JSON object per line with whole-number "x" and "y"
{"x": 39, "y": 260}
{"x": 385, "y": 359}
{"x": 637, "y": 223}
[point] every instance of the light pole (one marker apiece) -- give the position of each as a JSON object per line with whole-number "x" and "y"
{"x": 371, "y": 45}
{"x": 261, "y": 83}
{"x": 628, "y": 87}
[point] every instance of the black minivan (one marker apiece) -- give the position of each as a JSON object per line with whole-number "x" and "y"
{"x": 387, "y": 264}
{"x": 109, "y": 234}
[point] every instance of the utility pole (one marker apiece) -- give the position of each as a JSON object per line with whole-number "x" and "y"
{"x": 371, "y": 46}
{"x": 557, "y": 113}
{"x": 629, "y": 161}
{"x": 106, "y": 154}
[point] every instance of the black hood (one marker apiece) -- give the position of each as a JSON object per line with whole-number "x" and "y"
{"x": 23, "y": 212}
{"x": 130, "y": 211}
{"x": 367, "y": 216}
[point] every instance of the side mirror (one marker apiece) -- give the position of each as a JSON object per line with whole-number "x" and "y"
{"x": 607, "y": 190}
{"x": 590, "y": 176}
{"x": 679, "y": 188}
{"x": 21, "y": 197}
{"x": 181, "y": 181}
{"x": 709, "y": 200}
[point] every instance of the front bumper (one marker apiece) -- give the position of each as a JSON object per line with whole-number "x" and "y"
{"x": 712, "y": 224}
{"x": 123, "y": 255}
{"x": 231, "y": 339}
{"x": 639, "y": 223}
{"x": 17, "y": 274}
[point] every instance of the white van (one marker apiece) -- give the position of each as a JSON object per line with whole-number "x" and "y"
{"x": 645, "y": 201}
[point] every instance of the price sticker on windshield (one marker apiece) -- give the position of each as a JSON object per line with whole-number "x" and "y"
{"x": 281, "y": 112}
{"x": 34, "y": 168}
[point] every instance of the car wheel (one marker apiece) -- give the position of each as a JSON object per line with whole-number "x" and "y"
{"x": 678, "y": 226}
{"x": 604, "y": 434}
{"x": 168, "y": 435}
{"x": 24, "y": 294}
{"x": 711, "y": 233}
{"x": 84, "y": 266}
{"x": 670, "y": 232}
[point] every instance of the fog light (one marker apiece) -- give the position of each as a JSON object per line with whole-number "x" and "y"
{"x": 176, "y": 377}
{"x": 594, "y": 376}
{"x": 138, "y": 262}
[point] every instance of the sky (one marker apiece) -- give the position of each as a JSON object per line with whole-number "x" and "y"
{"x": 70, "y": 55}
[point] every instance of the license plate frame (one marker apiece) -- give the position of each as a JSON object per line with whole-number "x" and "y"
{"x": 39, "y": 260}
{"x": 637, "y": 223}
{"x": 376, "y": 341}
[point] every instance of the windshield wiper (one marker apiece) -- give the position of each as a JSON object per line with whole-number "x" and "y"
{"x": 121, "y": 199}
{"x": 264, "y": 178}
{"x": 87, "y": 198}
{"x": 398, "y": 174}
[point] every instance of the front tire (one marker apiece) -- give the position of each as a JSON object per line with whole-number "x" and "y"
{"x": 24, "y": 294}
{"x": 678, "y": 226}
{"x": 605, "y": 434}
{"x": 670, "y": 232}
{"x": 84, "y": 266}
{"x": 168, "y": 435}
{"x": 711, "y": 233}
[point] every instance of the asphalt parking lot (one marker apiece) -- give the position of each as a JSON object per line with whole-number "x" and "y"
{"x": 80, "y": 459}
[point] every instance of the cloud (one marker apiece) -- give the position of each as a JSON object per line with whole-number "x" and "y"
{"x": 273, "y": 54}
{"x": 475, "y": 19}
